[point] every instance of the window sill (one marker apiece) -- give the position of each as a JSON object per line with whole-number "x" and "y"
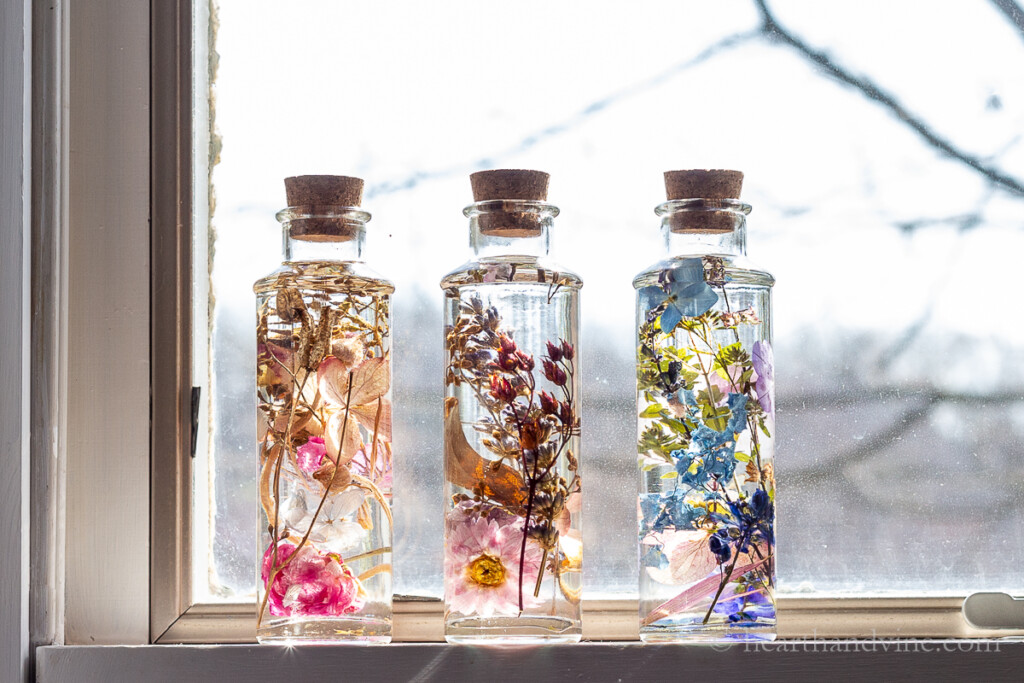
{"x": 794, "y": 660}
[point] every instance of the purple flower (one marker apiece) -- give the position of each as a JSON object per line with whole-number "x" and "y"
{"x": 764, "y": 366}
{"x": 751, "y": 607}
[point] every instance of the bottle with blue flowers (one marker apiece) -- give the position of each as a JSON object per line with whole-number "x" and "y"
{"x": 513, "y": 544}
{"x": 705, "y": 422}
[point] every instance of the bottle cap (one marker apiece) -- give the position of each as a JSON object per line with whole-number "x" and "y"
{"x": 313, "y": 194}
{"x": 323, "y": 190}
{"x": 510, "y": 185}
{"x": 714, "y": 184}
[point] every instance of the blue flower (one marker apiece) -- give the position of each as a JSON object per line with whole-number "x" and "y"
{"x": 751, "y": 518}
{"x": 718, "y": 543}
{"x": 653, "y": 557}
{"x": 682, "y": 291}
{"x": 711, "y": 450}
{"x": 668, "y": 510}
{"x": 747, "y": 608}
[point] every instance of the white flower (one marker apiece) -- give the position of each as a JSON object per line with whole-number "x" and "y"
{"x": 332, "y": 531}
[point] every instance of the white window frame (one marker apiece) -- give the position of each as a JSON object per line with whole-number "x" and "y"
{"x": 111, "y": 118}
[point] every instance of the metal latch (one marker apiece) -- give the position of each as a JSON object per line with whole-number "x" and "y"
{"x": 994, "y": 610}
{"x": 195, "y": 418}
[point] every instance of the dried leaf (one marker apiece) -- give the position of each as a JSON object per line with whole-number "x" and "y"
{"x": 464, "y": 467}
{"x": 326, "y": 476}
{"x": 290, "y": 306}
{"x": 267, "y": 479}
{"x": 366, "y": 415}
{"x": 694, "y": 594}
{"x": 370, "y": 380}
{"x": 752, "y": 473}
{"x": 322, "y": 342}
{"x": 689, "y": 558}
{"x": 337, "y": 428}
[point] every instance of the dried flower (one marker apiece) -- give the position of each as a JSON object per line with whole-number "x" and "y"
{"x": 548, "y": 403}
{"x": 567, "y": 350}
{"x": 554, "y": 374}
{"x": 482, "y": 563}
{"x": 688, "y": 554}
{"x": 311, "y": 454}
{"x": 502, "y": 389}
{"x": 349, "y": 349}
{"x": 714, "y": 271}
{"x": 554, "y": 352}
{"x": 310, "y": 584}
{"x": 764, "y": 365}
{"x": 748, "y": 316}
{"x": 332, "y": 529}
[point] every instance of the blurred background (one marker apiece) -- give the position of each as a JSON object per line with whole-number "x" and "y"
{"x": 881, "y": 143}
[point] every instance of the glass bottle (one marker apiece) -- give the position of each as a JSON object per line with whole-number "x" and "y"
{"x": 513, "y": 548}
{"x": 705, "y": 422}
{"x": 324, "y": 423}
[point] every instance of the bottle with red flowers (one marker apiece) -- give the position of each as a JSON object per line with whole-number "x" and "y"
{"x": 324, "y": 422}
{"x": 705, "y": 423}
{"x": 513, "y": 547}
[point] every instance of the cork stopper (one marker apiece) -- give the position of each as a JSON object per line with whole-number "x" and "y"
{"x": 703, "y": 184}
{"x": 323, "y": 190}
{"x": 312, "y": 191}
{"x": 510, "y": 185}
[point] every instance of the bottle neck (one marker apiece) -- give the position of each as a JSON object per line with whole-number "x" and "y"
{"x": 704, "y": 226}
{"x": 510, "y": 227}
{"x": 323, "y": 233}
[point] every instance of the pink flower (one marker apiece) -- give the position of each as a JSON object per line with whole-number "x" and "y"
{"x": 311, "y": 584}
{"x": 481, "y": 563}
{"x": 311, "y": 454}
{"x": 381, "y": 474}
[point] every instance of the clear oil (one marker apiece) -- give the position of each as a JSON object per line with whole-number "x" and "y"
{"x": 355, "y": 536}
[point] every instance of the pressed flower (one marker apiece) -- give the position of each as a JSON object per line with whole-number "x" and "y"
{"x": 366, "y": 405}
{"x": 747, "y": 607}
{"x": 311, "y": 454}
{"x": 349, "y": 349}
{"x": 764, "y": 365}
{"x": 681, "y": 292}
{"x": 332, "y": 529}
{"x": 482, "y": 563}
{"x": 310, "y": 583}
{"x": 379, "y": 470}
{"x": 689, "y": 557}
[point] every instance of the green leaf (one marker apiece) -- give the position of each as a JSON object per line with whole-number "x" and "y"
{"x": 678, "y": 426}
{"x": 716, "y": 417}
{"x": 742, "y": 457}
{"x": 670, "y": 475}
{"x": 653, "y": 410}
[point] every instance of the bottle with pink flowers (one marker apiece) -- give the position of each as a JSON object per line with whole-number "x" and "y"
{"x": 324, "y": 423}
{"x": 513, "y": 551}
{"x": 705, "y": 423}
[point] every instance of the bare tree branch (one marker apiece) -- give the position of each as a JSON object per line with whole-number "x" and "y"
{"x": 573, "y": 121}
{"x": 775, "y": 31}
{"x": 911, "y": 416}
{"x": 1013, "y": 12}
{"x": 864, "y": 449}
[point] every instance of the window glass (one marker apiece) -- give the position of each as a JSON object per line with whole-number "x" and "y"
{"x": 884, "y": 160}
